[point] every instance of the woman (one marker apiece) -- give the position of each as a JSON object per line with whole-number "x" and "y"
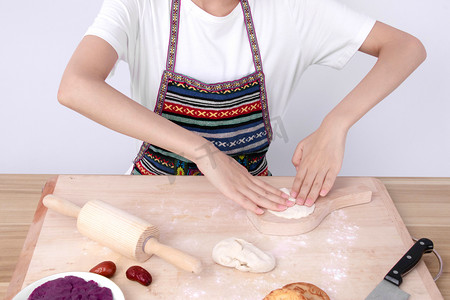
{"x": 206, "y": 75}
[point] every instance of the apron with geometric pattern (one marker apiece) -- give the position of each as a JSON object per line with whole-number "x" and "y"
{"x": 232, "y": 115}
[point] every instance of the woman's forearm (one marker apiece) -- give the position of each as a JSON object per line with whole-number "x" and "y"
{"x": 397, "y": 59}
{"x": 83, "y": 89}
{"x": 95, "y": 99}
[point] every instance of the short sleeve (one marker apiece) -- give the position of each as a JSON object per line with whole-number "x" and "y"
{"x": 114, "y": 24}
{"x": 331, "y": 33}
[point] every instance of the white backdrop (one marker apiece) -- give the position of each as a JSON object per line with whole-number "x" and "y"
{"x": 408, "y": 134}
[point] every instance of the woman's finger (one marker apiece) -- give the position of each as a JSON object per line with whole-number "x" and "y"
{"x": 262, "y": 201}
{"x": 246, "y": 203}
{"x": 316, "y": 187}
{"x": 298, "y": 181}
{"x": 262, "y": 190}
{"x": 328, "y": 183}
{"x": 306, "y": 187}
{"x": 270, "y": 192}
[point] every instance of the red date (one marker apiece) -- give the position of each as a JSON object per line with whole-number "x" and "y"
{"x": 139, "y": 274}
{"x": 106, "y": 268}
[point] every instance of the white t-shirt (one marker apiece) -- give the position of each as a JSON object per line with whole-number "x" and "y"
{"x": 291, "y": 34}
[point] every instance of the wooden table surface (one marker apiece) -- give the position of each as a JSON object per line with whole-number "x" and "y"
{"x": 423, "y": 203}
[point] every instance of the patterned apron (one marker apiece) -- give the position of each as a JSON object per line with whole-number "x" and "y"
{"x": 232, "y": 115}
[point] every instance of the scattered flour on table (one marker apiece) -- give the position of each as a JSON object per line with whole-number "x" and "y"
{"x": 252, "y": 285}
{"x": 341, "y": 230}
{"x": 287, "y": 246}
{"x": 215, "y": 211}
{"x": 342, "y": 234}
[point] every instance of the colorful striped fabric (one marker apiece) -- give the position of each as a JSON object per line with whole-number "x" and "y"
{"x": 232, "y": 121}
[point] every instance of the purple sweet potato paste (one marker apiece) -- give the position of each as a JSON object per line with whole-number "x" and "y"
{"x": 71, "y": 288}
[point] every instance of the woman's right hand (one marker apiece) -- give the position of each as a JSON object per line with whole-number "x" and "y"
{"x": 236, "y": 183}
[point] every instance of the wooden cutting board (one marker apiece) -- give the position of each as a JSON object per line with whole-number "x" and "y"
{"x": 346, "y": 255}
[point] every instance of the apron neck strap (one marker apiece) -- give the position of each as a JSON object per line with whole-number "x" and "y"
{"x": 251, "y": 33}
{"x": 175, "y": 25}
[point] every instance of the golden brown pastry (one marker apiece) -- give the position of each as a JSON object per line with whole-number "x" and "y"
{"x": 285, "y": 294}
{"x": 308, "y": 290}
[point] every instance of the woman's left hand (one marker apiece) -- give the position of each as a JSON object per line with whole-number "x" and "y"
{"x": 318, "y": 160}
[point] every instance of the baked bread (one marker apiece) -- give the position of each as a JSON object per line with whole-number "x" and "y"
{"x": 308, "y": 290}
{"x": 298, "y": 291}
{"x": 284, "y": 294}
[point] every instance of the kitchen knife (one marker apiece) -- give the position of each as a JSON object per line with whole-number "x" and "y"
{"x": 388, "y": 288}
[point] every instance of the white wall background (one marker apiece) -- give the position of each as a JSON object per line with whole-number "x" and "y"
{"x": 408, "y": 134}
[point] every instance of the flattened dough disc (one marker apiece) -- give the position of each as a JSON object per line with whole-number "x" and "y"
{"x": 346, "y": 192}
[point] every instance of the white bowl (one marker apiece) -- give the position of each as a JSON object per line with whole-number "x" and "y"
{"x": 102, "y": 281}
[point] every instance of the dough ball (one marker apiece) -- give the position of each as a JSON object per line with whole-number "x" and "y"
{"x": 242, "y": 255}
{"x": 294, "y": 212}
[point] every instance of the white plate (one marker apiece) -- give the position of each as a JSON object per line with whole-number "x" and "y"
{"x": 102, "y": 281}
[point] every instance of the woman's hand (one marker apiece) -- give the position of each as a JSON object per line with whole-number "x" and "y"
{"x": 234, "y": 181}
{"x": 317, "y": 159}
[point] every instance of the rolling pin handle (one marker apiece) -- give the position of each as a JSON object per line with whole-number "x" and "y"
{"x": 61, "y": 206}
{"x": 176, "y": 257}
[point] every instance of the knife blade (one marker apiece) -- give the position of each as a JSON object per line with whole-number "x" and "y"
{"x": 389, "y": 287}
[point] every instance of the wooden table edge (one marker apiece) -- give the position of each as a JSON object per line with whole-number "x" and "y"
{"x": 26, "y": 254}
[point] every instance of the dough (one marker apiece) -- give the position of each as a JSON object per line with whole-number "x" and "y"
{"x": 293, "y": 212}
{"x": 242, "y": 255}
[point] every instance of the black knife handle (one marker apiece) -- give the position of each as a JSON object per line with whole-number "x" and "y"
{"x": 409, "y": 261}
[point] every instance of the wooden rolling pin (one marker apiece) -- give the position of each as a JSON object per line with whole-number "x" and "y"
{"x": 122, "y": 232}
